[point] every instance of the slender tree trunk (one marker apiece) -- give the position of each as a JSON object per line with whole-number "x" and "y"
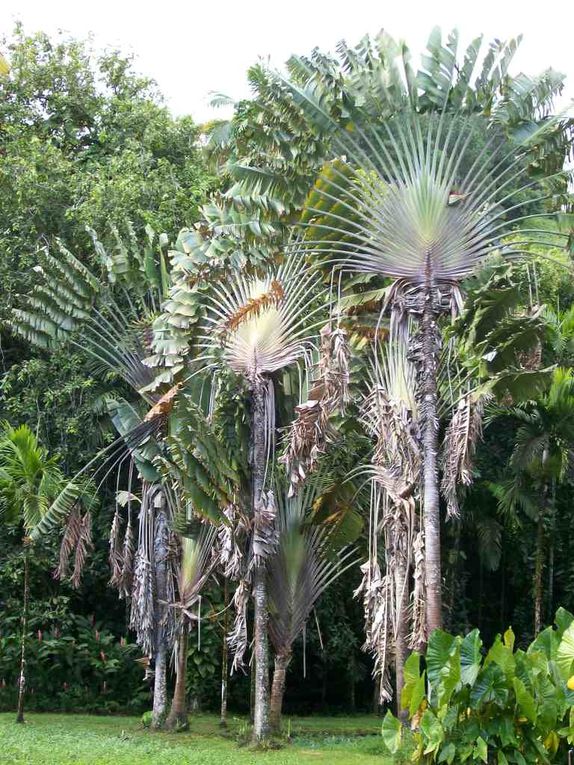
{"x": 551, "y": 553}
{"x": 224, "y": 659}
{"x": 502, "y": 590}
{"x": 161, "y": 539}
{"x": 430, "y": 343}
{"x": 538, "y": 572}
{"x": 282, "y": 661}
{"x": 22, "y": 679}
{"x": 261, "y": 611}
{"x": 540, "y": 544}
{"x": 401, "y": 649}
{"x": 177, "y": 718}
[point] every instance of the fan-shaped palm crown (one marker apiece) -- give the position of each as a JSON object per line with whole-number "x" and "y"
{"x": 420, "y": 196}
{"x": 261, "y": 323}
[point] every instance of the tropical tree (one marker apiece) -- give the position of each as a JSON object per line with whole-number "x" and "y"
{"x": 412, "y": 199}
{"x": 197, "y": 563}
{"x": 257, "y": 327}
{"x": 30, "y": 480}
{"x": 308, "y": 558}
{"x": 109, "y": 318}
{"x": 418, "y": 177}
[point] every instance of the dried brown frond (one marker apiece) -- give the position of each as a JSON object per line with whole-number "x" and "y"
{"x": 115, "y": 549}
{"x": 165, "y": 404}
{"x": 311, "y": 431}
{"x": 419, "y": 634}
{"x": 127, "y": 570}
{"x": 265, "y": 533}
{"x": 253, "y": 307}
{"x": 83, "y": 546}
{"x": 461, "y": 437}
{"x": 72, "y": 531}
{"x": 237, "y": 638}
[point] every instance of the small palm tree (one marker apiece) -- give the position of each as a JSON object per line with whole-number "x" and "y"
{"x": 304, "y": 564}
{"x": 29, "y": 481}
{"x": 196, "y": 564}
{"x": 256, "y": 327}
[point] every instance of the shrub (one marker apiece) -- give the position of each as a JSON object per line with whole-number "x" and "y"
{"x": 505, "y": 706}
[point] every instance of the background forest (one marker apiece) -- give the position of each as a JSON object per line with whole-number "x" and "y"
{"x": 92, "y": 161}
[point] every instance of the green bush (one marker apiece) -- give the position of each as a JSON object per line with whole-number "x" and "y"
{"x": 505, "y": 706}
{"x": 77, "y": 666}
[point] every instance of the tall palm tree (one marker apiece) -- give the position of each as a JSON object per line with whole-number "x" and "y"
{"x": 419, "y": 185}
{"x": 29, "y": 481}
{"x": 109, "y": 317}
{"x": 256, "y": 327}
{"x": 422, "y": 199}
{"x": 305, "y": 562}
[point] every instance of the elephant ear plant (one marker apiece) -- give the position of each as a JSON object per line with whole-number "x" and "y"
{"x": 508, "y": 706}
{"x": 256, "y": 327}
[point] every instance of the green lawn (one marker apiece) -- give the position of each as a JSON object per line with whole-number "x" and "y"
{"x": 48, "y": 739}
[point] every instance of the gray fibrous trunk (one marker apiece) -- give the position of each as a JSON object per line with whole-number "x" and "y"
{"x": 282, "y": 662}
{"x": 401, "y": 629}
{"x": 260, "y": 600}
{"x": 427, "y": 370}
{"x": 22, "y": 679}
{"x": 161, "y": 552}
{"x": 177, "y": 718}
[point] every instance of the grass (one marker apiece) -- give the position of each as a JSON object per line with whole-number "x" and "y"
{"x": 49, "y": 739}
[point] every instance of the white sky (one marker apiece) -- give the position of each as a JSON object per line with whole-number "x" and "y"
{"x": 194, "y": 48}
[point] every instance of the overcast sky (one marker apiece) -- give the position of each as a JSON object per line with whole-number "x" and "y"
{"x": 194, "y": 48}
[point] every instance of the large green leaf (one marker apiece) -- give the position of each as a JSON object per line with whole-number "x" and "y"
{"x": 490, "y": 686}
{"x": 524, "y": 701}
{"x": 565, "y": 653}
{"x": 432, "y": 731}
{"x": 391, "y": 732}
{"x": 438, "y": 651}
{"x": 470, "y": 657}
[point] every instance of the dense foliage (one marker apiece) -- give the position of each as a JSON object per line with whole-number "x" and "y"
{"x": 85, "y": 145}
{"x": 506, "y": 706}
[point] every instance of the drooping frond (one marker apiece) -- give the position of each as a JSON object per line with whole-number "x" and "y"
{"x": 69, "y": 303}
{"x": 311, "y": 431}
{"x": 460, "y": 442}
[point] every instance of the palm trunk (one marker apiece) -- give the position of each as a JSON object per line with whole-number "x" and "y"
{"x": 261, "y": 611}
{"x": 161, "y": 535}
{"x": 539, "y": 560}
{"x": 551, "y": 553}
{"x": 177, "y": 718}
{"x": 538, "y": 572}
{"x": 22, "y": 680}
{"x": 224, "y": 660}
{"x": 282, "y": 661}
{"x": 430, "y": 343}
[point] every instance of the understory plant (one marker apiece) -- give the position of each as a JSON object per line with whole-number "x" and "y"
{"x": 505, "y": 706}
